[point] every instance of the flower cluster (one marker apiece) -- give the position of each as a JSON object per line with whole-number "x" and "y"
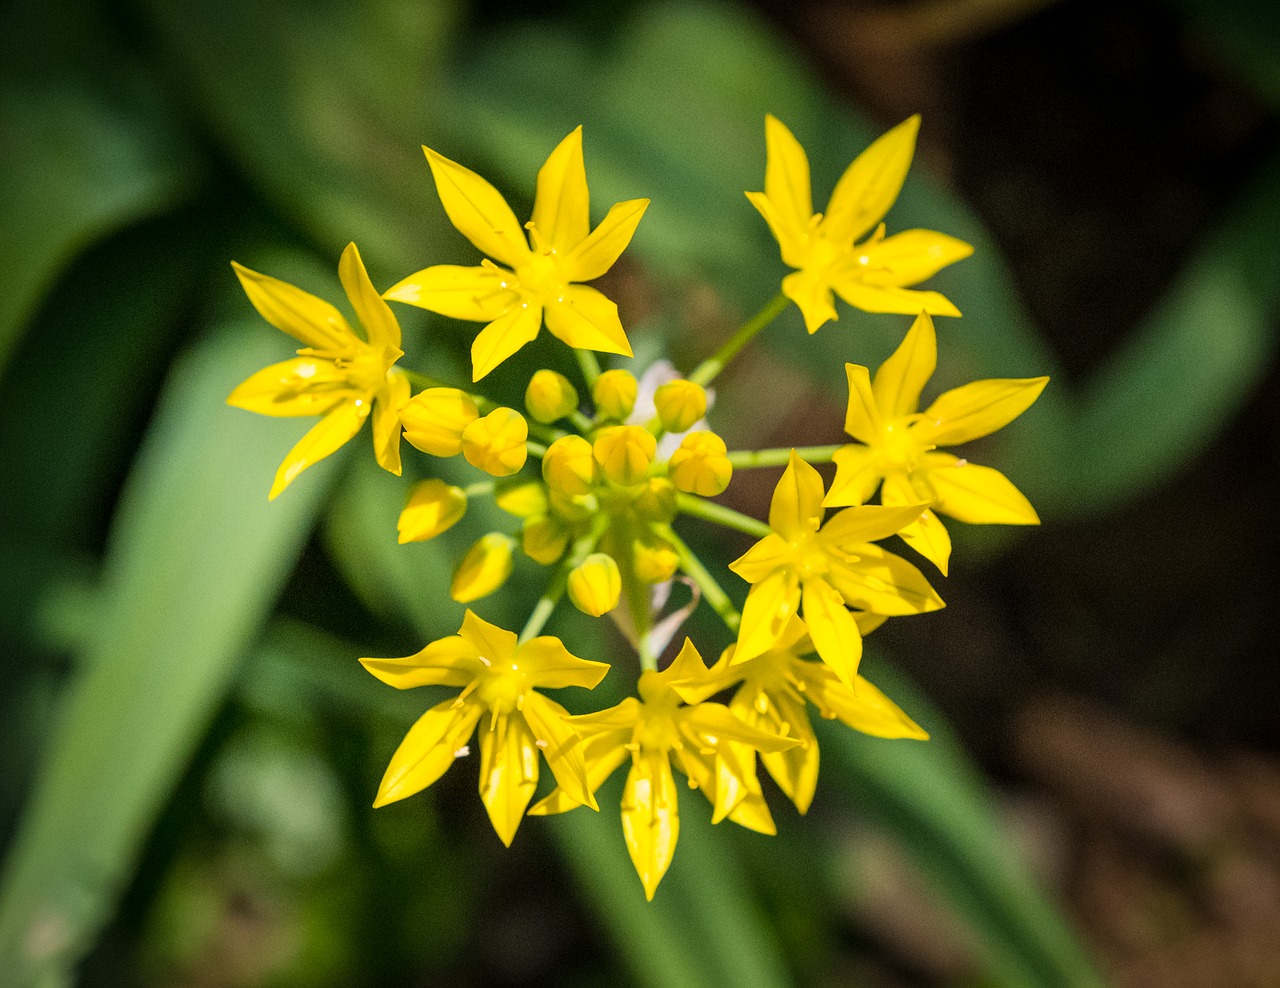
{"x": 596, "y": 475}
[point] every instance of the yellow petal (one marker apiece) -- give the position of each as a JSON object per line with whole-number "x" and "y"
{"x": 300, "y": 314}
{"x": 435, "y": 419}
{"x": 796, "y": 769}
{"x": 812, "y": 293}
{"x": 904, "y": 301}
{"x": 910, "y": 257}
{"x": 586, "y": 319}
{"x": 771, "y": 553}
{"x": 832, "y": 629}
{"x": 902, "y": 377}
{"x": 503, "y": 337}
{"x": 712, "y": 723}
{"x": 769, "y": 607}
{"x": 494, "y": 643}
{"x": 561, "y": 208}
{"x": 497, "y": 443}
{"x": 550, "y": 396}
{"x": 796, "y": 508}
{"x": 786, "y": 179}
{"x": 508, "y": 771}
{"x": 614, "y": 394}
{"x": 597, "y": 254}
{"x": 433, "y": 507}
{"x": 544, "y": 538}
{"x": 552, "y": 666}
{"x": 700, "y": 464}
{"x": 478, "y": 210}
{"x": 650, "y": 818}
{"x": 595, "y": 584}
{"x": 427, "y": 750}
{"x": 602, "y": 758}
{"x": 561, "y": 746}
{"x": 927, "y": 535}
{"x": 864, "y": 708}
{"x": 689, "y": 676}
{"x": 325, "y": 437}
{"x": 870, "y": 185}
{"x": 569, "y": 466}
{"x": 387, "y": 402}
{"x": 791, "y": 243}
{"x": 480, "y": 294}
{"x": 522, "y": 498}
{"x": 862, "y": 415}
{"x": 379, "y": 322}
{"x": 625, "y": 453}
{"x": 868, "y": 523}
{"x": 484, "y": 568}
{"x": 974, "y": 494}
{"x": 680, "y": 404}
{"x": 883, "y": 583}
{"x": 451, "y": 661}
{"x": 858, "y": 474}
{"x": 978, "y": 409}
{"x": 301, "y": 386}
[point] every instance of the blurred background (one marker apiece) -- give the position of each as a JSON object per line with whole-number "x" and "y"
{"x": 188, "y": 749}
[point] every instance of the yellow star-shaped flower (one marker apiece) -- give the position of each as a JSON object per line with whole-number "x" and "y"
{"x": 542, "y": 273}
{"x": 500, "y": 679}
{"x": 897, "y": 445}
{"x": 337, "y": 374}
{"x": 825, "y": 567}
{"x": 872, "y": 275}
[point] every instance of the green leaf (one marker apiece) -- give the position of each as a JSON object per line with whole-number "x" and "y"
{"x": 195, "y": 561}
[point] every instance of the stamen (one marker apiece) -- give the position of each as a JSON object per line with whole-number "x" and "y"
{"x": 462, "y": 752}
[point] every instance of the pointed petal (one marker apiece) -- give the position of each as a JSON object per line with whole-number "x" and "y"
{"x": 479, "y": 294}
{"x": 927, "y": 535}
{"x": 387, "y": 402}
{"x": 870, "y": 185}
{"x": 978, "y": 409}
{"x": 478, "y": 210}
{"x": 796, "y": 508}
{"x": 974, "y": 494}
{"x": 689, "y": 676}
{"x": 832, "y": 628}
{"x": 603, "y": 755}
{"x": 597, "y": 254}
{"x": 561, "y": 746}
{"x": 379, "y": 322}
{"x": 427, "y": 750}
{"x": 883, "y": 583}
{"x": 904, "y": 301}
{"x": 451, "y": 661}
{"x": 868, "y": 523}
{"x": 561, "y": 207}
{"x": 791, "y": 244}
{"x": 770, "y": 605}
{"x": 796, "y": 769}
{"x": 864, "y": 707}
{"x": 503, "y": 337}
{"x": 786, "y": 178}
{"x": 767, "y": 555}
{"x": 858, "y": 474}
{"x": 508, "y": 771}
{"x": 812, "y": 293}
{"x": 650, "y": 818}
{"x": 301, "y": 386}
{"x": 323, "y": 438}
{"x": 862, "y": 415}
{"x": 494, "y": 643}
{"x": 552, "y": 666}
{"x": 902, "y": 377}
{"x": 300, "y": 314}
{"x": 585, "y": 318}
{"x": 713, "y": 723}
{"x": 910, "y": 257}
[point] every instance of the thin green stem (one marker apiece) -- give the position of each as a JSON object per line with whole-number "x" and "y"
{"x": 711, "y": 590}
{"x": 720, "y": 515}
{"x": 747, "y": 458}
{"x": 706, "y": 371}
{"x": 581, "y": 423}
{"x": 536, "y": 449}
{"x": 479, "y": 488}
{"x": 589, "y": 365}
{"x": 543, "y": 609}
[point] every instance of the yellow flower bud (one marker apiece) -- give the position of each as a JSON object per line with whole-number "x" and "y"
{"x": 522, "y": 498}
{"x": 614, "y": 394}
{"x": 496, "y": 443}
{"x": 595, "y": 585}
{"x": 433, "y": 507}
{"x": 680, "y": 404}
{"x": 572, "y": 507}
{"x": 569, "y": 467}
{"x": 484, "y": 568}
{"x": 700, "y": 466}
{"x": 435, "y": 419}
{"x": 625, "y": 453}
{"x": 550, "y": 396}
{"x": 544, "y": 539}
{"x": 656, "y": 500}
{"x": 654, "y": 559}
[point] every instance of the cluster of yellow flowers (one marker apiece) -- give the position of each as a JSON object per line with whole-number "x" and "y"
{"x": 615, "y": 475}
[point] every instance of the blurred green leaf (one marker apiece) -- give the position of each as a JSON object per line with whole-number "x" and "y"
{"x": 195, "y": 561}
{"x": 1248, "y": 33}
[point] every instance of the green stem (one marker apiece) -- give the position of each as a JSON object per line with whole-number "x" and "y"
{"x": 555, "y": 589}
{"x": 747, "y": 458}
{"x": 707, "y": 370}
{"x": 581, "y": 423}
{"x": 536, "y": 449}
{"x": 589, "y": 365}
{"x": 720, "y": 515}
{"x": 711, "y": 590}
{"x": 638, "y": 602}
{"x": 479, "y": 488}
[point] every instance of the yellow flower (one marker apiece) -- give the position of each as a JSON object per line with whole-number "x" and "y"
{"x": 569, "y": 466}
{"x": 500, "y": 680}
{"x": 595, "y": 585}
{"x": 873, "y": 275}
{"x": 826, "y": 567}
{"x": 561, "y": 250}
{"x": 625, "y": 453}
{"x": 484, "y": 568}
{"x": 896, "y": 444}
{"x": 700, "y": 465}
{"x": 496, "y": 442}
{"x": 550, "y": 396}
{"x": 653, "y": 730}
{"x": 614, "y": 394}
{"x": 336, "y": 374}
{"x": 433, "y": 507}
{"x": 435, "y": 419}
{"x": 680, "y": 404}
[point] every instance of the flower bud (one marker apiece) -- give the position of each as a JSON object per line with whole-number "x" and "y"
{"x": 433, "y": 507}
{"x": 544, "y": 539}
{"x": 655, "y": 560}
{"x": 521, "y": 497}
{"x": 496, "y": 442}
{"x": 625, "y": 453}
{"x": 700, "y": 466}
{"x": 680, "y": 404}
{"x": 484, "y": 568}
{"x": 595, "y": 585}
{"x": 434, "y": 420}
{"x": 614, "y": 394}
{"x": 656, "y": 500}
{"x": 569, "y": 467}
{"x": 550, "y": 396}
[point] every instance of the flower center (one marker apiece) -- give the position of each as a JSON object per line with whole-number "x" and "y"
{"x": 540, "y": 279}
{"x": 501, "y": 687}
{"x": 897, "y": 447}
